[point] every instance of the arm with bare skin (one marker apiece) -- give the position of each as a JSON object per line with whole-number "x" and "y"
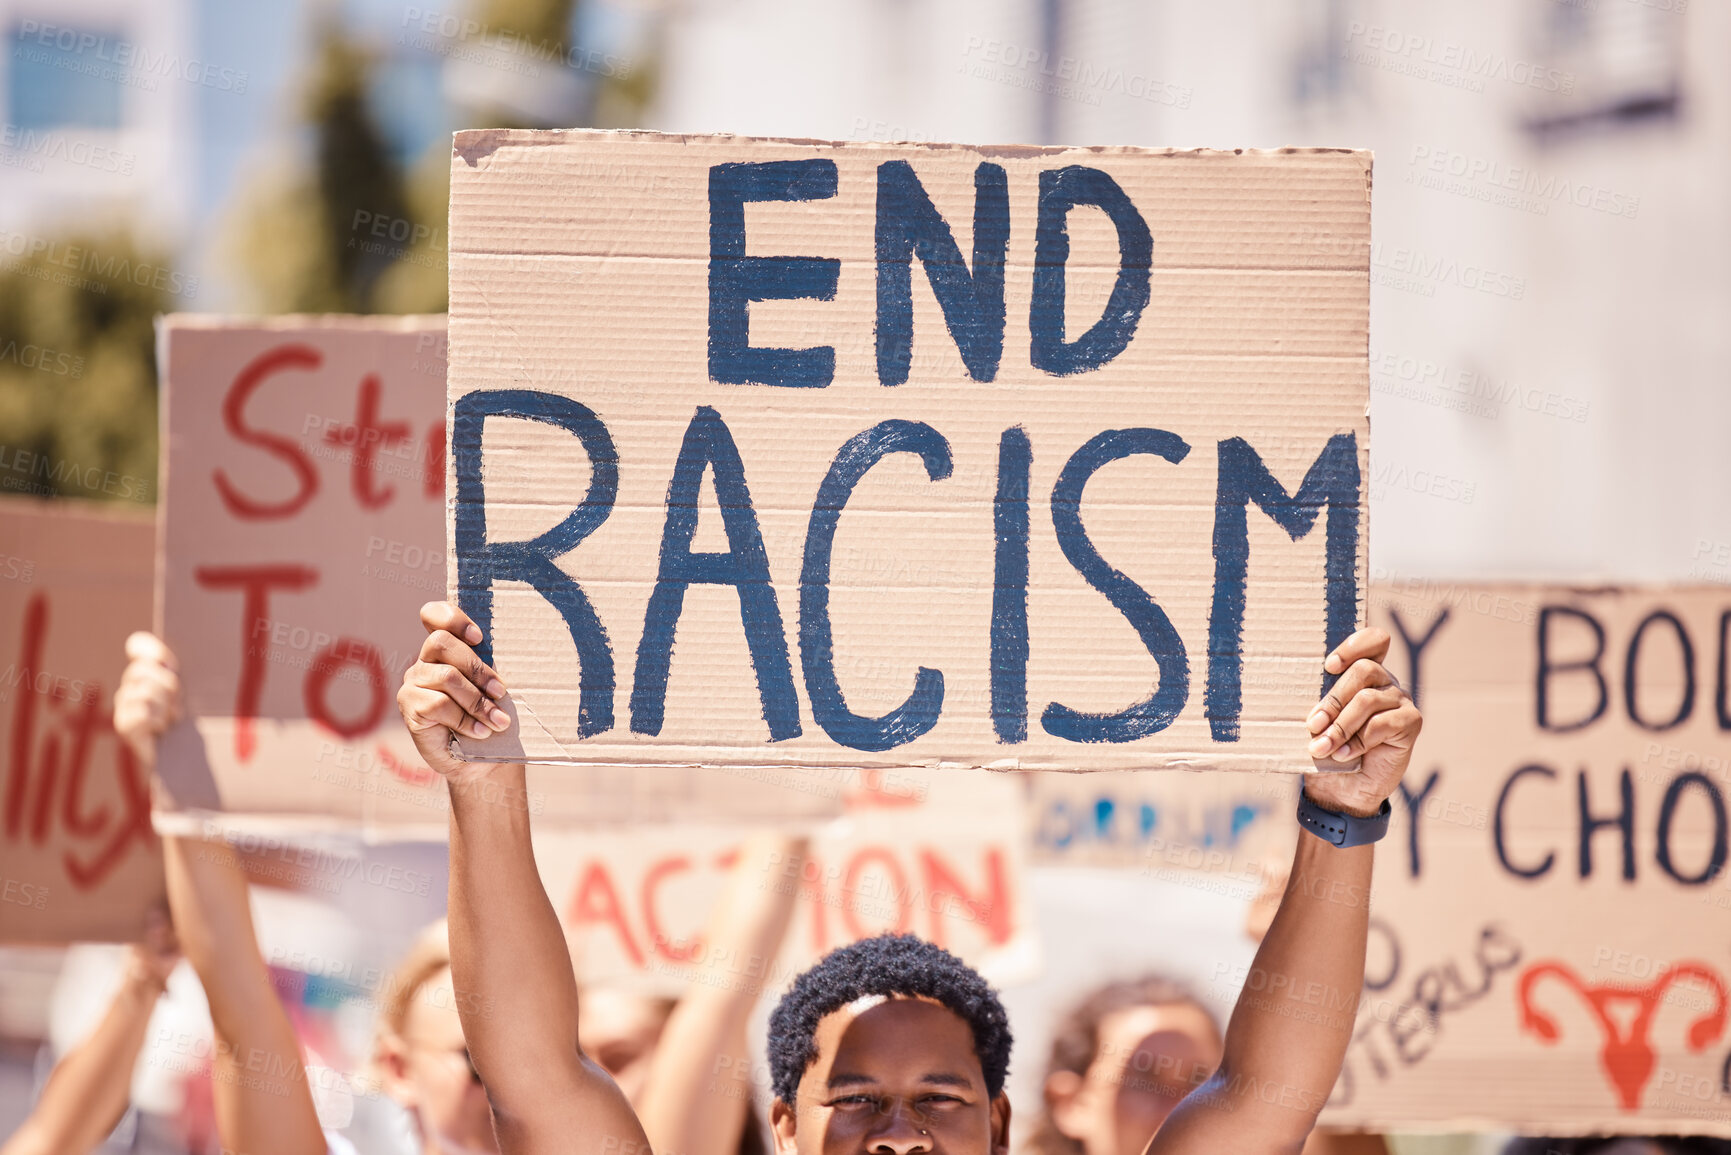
{"x": 1290, "y": 1030}
{"x": 709, "y": 1023}
{"x": 88, "y": 1090}
{"x": 516, "y": 992}
{"x": 263, "y": 1102}
{"x": 1323, "y": 1140}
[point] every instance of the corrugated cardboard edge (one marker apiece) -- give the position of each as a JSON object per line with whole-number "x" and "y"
{"x": 473, "y": 145}
{"x": 303, "y": 829}
{"x": 364, "y": 322}
{"x": 164, "y": 326}
{"x": 132, "y": 512}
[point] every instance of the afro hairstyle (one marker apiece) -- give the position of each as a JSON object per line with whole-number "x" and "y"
{"x": 889, "y": 964}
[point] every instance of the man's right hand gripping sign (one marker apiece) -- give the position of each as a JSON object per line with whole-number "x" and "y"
{"x": 892, "y": 1046}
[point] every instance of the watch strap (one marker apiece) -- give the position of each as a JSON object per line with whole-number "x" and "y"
{"x": 1339, "y": 829}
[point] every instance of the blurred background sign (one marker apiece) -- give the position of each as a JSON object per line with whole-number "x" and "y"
{"x": 1548, "y": 945}
{"x": 303, "y": 504}
{"x": 940, "y": 854}
{"x": 78, "y": 858}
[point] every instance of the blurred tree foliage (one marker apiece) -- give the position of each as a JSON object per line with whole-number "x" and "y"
{"x": 78, "y": 367}
{"x": 539, "y": 21}
{"x": 305, "y": 238}
{"x": 78, "y": 387}
{"x": 298, "y": 239}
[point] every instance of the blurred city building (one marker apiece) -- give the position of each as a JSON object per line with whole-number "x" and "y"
{"x": 155, "y": 115}
{"x": 1549, "y": 251}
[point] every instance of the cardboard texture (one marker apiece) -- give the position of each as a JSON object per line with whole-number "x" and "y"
{"x": 78, "y": 860}
{"x": 301, "y": 531}
{"x": 941, "y": 855}
{"x": 1548, "y": 950}
{"x": 774, "y": 452}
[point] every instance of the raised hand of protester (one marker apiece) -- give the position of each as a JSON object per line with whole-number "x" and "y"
{"x": 207, "y": 893}
{"x": 1316, "y": 939}
{"x": 1366, "y": 716}
{"x": 449, "y": 691}
{"x": 154, "y": 957}
{"x": 87, "y": 1092}
{"x": 148, "y": 699}
{"x": 510, "y": 964}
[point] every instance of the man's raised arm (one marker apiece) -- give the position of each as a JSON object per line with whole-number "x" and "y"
{"x": 1294, "y": 1019}
{"x": 516, "y": 992}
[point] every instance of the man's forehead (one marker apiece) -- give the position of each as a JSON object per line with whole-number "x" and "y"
{"x": 864, "y": 1003}
{"x": 894, "y": 1036}
{"x": 888, "y": 1006}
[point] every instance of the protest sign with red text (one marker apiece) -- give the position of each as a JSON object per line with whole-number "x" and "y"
{"x": 78, "y": 860}
{"x": 938, "y": 854}
{"x": 1548, "y": 946}
{"x": 302, "y": 528}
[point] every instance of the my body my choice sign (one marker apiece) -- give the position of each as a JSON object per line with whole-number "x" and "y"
{"x": 790, "y": 452}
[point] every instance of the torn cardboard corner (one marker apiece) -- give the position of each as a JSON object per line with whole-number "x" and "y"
{"x": 796, "y": 453}
{"x": 78, "y": 860}
{"x": 1547, "y": 950}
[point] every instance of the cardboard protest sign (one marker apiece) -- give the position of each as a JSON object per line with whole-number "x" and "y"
{"x": 302, "y": 529}
{"x": 1548, "y": 949}
{"x": 773, "y": 452}
{"x": 1229, "y": 824}
{"x": 78, "y": 859}
{"x": 942, "y": 855}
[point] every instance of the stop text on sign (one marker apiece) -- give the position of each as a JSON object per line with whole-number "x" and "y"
{"x": 301, "y": 530}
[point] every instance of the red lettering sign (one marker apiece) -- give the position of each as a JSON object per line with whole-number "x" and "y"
{"x": 57, "y": 725}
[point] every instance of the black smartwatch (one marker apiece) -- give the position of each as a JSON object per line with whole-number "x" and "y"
{"x": 1342, "y": 830}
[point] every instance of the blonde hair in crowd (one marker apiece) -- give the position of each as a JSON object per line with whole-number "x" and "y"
{"x": 426, "y": 957}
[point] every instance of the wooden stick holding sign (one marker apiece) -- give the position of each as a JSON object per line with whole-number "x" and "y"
{"x": 739, "y": 488}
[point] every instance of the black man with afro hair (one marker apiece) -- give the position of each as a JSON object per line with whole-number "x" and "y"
{"x": 872, "y": 992}
{"x": 893, "y": 1046}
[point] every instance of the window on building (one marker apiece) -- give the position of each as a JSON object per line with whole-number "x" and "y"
{"x": 1613, "y": 62}
{"x": 1318, "y": 53}
{"x": 63, "y": 77}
